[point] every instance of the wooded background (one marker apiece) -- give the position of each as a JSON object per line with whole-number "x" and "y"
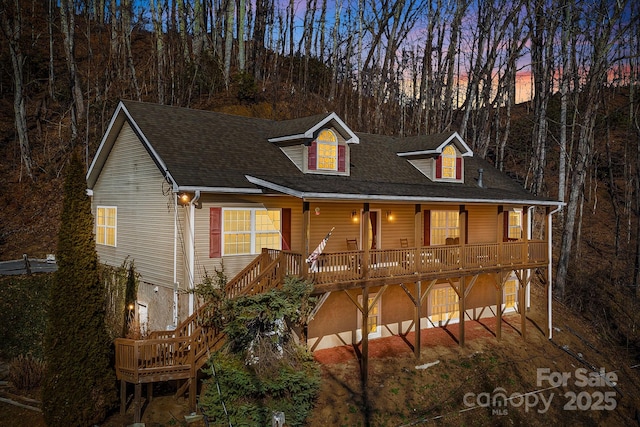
{"x": 547, "y": 90}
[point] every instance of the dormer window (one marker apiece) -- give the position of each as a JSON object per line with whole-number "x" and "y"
{"x": 327, "y": 154}
{"x": 449, "y": 164}
{"x": 327, "y": 151}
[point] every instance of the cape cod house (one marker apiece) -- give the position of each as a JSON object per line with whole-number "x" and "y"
{"x": 422, "y": 232}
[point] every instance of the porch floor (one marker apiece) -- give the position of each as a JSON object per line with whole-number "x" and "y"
{"x": 430, "y": 337}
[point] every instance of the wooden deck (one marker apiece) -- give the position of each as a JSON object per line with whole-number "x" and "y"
{"x": 179, "y": 354}
{"x": 353, "y": 269}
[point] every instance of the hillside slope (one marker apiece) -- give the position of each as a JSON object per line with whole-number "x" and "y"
{"x": 469, "y": 384}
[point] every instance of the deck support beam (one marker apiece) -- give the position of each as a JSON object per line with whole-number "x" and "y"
{"x": 462, "y": 309}
{"x": 500, "y": 279}
{"x": 365, "y": 336}
{"x": 193, "y": 391}
{"x": 137, "y": 401}
{"x": 417, "y": 344}
{"x": 123, "y": 397}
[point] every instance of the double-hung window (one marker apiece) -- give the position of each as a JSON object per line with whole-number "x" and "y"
{"x": 510, "y": 294}
{"x": 443, "y": 304}
{"x": 249, "y": 230}
{"x": 106, "y": 222}
{"x": 444, "y": 225}
{"x": 515, "y": 224}
{"x": 374, "y": 325}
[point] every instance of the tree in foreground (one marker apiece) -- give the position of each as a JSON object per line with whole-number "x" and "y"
{"x": 261, "y": 370}
{"x": 79, "y": 386}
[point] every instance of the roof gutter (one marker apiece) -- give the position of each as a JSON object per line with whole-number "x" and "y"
{"x": 384, "y": 197}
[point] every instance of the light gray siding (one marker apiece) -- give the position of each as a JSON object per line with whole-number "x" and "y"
{"x": 425, "y": 166}
{"x": 295, "y": 153}
{"x": 132, "y": 182}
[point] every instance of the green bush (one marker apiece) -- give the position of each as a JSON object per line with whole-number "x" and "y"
{"x": 23, "y": 314}
{"x": 251, "y": 398}
{"x": 261, "y": 370}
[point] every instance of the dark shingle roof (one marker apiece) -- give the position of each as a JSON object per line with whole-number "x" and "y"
{"x": 207, "y": 149}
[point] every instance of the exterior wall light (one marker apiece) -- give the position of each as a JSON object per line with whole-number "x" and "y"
{"x": 354, "y": 216}
{"x": 317, "y": 211}
{"x": 389, "y": 216}
{"x": 184, "y": 199}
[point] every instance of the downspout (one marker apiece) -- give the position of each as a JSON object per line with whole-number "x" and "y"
{"x": 192, "y": 247}
{"x": 176, "y": 285}
{"x": 549, "y": 272}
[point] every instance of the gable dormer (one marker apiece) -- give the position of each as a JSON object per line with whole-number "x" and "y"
{"x": 316, "y": 145}
{"x": 439, "y": 157}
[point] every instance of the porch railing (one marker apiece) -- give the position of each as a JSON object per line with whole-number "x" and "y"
{"x": 349, "y": 266}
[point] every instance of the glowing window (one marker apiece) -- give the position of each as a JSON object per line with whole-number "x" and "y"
{"x": 106, "y": 220}
{"x": 515, "y": 224}
{"x": 374, "y": 319}
{"x": 449, "y": 162}
{"x": 327, "y": 150}
{"x": 444, "y": 304}
{"x": 444, "y": 225}
{"x": 248, "y": 231}
{"x": 510, "y": 292}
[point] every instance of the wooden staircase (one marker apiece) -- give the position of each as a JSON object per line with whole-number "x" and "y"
{"x": 179, "y": 354}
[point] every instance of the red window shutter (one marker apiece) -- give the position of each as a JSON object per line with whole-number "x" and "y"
{"x": 215, "y": 232}
{"x": 312, "y": 156}
{"x": 505, "y": 233}
{"x": 342, "y": 158}
{"x": 286, "y": 229}
{"x": 459, "y": 168}
{"x": 439, "y": 167}
{"x": 427, "y": 227}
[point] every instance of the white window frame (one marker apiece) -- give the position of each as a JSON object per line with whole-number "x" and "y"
{"x": 452, "y": 307}
{"x": 515, "y": 230}
{"x": 329, "y": 142}
{"x": 378, "y": 306}
{"x": 252, "y": 229}
{"x": 102, "y": 229}
{"x": 450, "y": 229}
{"x": 516, "y": 286}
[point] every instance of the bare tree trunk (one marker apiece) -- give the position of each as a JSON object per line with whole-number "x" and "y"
{"x": 67, "y": 25}
{"x": 334, "y": 54}
{"x": 564, "y": 89}
{"x": 242, "y": 11}
{"x": 602, "y": 36}
{"x": 11, "y": 21}
{"x": 156, "y": 18}
{"x": 228, "y": 42}
{"x": 52, "y": 94}
{"x": 542, "y": 28}
{"x": 126, "y": 33}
